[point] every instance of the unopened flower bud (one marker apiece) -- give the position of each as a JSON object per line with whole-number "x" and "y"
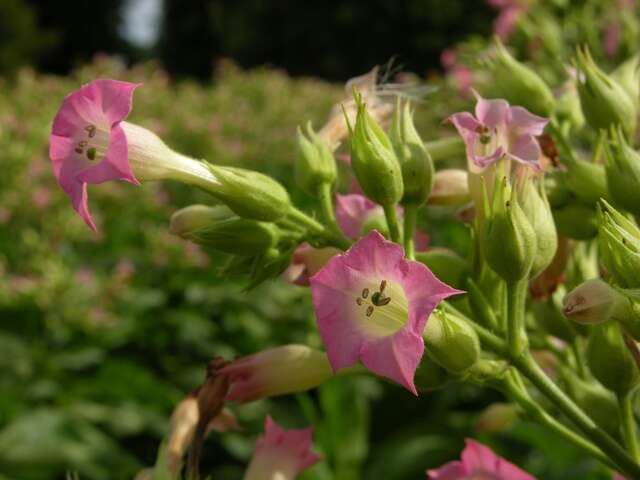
{"x": 521, "y": 85}
{"x": 278, "y": 371}
{"x": 415, "y": 161}
{"x": 594, "y": 301}
{"x": 508, "y": 239}
{"x": 221, "y": 229}
{"x": 610, "y": 360}
{"x": 451, "y": 342}
{"x": 628, "y": 76}
{"x": 497, "y": 417}
{"x": 604, "y": 102}
{"x": 445, "y": 264}
{"x": 315, "y": 164}
{"x": 450, "y": 187}
{"x": 374, "y": 161}
{"x": 623, "y": 172}
{"x": 535, "y": 206}
{"x": 586, "y": 180}
{"x": 619, "y": 241}
{"x": 250, "y": 194}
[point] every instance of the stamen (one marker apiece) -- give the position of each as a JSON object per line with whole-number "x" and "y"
{"x": 365, "y": 293}
{"x": 359, "y": 301}
{"x": 369, "y": 311}
{"x": 383, "y": 285}
{"x": 91, "y": 130}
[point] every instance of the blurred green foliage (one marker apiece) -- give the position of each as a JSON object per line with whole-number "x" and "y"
{"x": 101, "y": 335}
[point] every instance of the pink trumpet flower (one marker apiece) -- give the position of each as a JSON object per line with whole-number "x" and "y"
{"x": 372, "y": 305}
{"x": 478, "y": 462}
{"x": 281, "y": 454}
{"x": 499, "y": 130}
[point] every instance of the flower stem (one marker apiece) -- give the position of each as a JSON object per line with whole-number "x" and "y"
{"x": 578, "y": 354}
{"x": 316, "y": 228}
{"x": 326, "y": 206}
{"x": 410, "y": 214}
{"x": 628, "y": 424}
{"x": 532, "y": 408}
{"x": 516, "y": 298}
{"x": 392, "y": 222}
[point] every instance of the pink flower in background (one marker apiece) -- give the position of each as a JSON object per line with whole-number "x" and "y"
{"x": 461, "y": 74}
{"x": 306, "y": 262}
{"x": 5, "y": 215}
{"x": 41, "y": 197}
{"x": 509, "y": 11}
{"x": 372, "y": 305}
{"x": 611, "y": 39}
{"x": 281, "y": 454}
{"x": 87, "y": 143}
{"x": 499, "y": 130}
{"x": 478, "y": 462}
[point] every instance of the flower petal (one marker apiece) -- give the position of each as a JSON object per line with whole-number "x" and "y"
{"x": 449, "y": 471}
{"x": 352, "y": 211}
{"x": 526, "y": 150}
{"x": 524, "y": 122}
{"x": 492, "y": 113}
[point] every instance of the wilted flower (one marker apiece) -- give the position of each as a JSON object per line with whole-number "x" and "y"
{"x": 478, "y": 462}
{"x": 372, "y": 305}
{"x": 281, "y": 454}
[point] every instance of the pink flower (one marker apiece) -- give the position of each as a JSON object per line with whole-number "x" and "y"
{"x": 277, "y": 371}
{"x": 372, "y": 305}
{"x": 478, "y": 462}
{"x": 281, "y": 454}
{"x": 88, "y": 144}
{"x": 509, "y": 12}
{"x": 306, "y": 262}
{"x": 461, "y": 74}
{"x": 499, "y": 130}
{"x": 611, "y": 39}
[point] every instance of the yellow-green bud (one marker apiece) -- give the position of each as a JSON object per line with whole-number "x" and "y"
{"x": 221, "y": 229}
{"x": 604, "y": 101}
{"x": 610, "y": 360}
{"x": 250, "y": 194}
{"x": 315, "y": 164}
{"x": 374, "y": 161}
{"x": 521, "y": 85}
{"x": 451, "y": 342}
{"x": 508, "y": 239}
{"x": 623, "y": 172}
{"x": 586, "y": 180}
{"x": 445, "y": 264}
{"x": 415, "y": 161}
{"x": 535, "y": 206}
{"x": 619, "y": 242}
{"x": 576, "y": 220}
{"x": 450, "y": 187}
{"x": 628, "y": 76}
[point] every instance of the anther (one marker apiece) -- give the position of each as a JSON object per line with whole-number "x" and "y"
{"x": 359, "y": 301}
{"x": 91, "y": 130}
{"x": 365, "y": 293}
{"x": 383, "y": 285}
{"x": 369, "y": 311}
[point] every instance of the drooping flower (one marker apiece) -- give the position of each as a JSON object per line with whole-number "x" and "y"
{"x": 478, "y": 462}
{"x": 306, "y": 261}
{"x": 372, "y": 305}
{"x": 277, "y": 371}
{"x": 498, "y": 130}
{"x": 281, "y": 454}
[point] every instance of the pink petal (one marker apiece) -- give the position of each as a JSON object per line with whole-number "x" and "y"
{"x": 449, "y": 471}
{"x": 114, "y": 165}
{"x": 421, "y": 240}
{"x": 464, "y": 121}
{"x": 526, "y": 150}
{"x": 112, "y": 97}
{"x": 352, "y": 211}
{"x": 79, "y": 200}
{"x": 524, "y": 122}
{"x": 505, "y": 24}
{"x": 492, "y": 113}
{"x": 487, "y": 160}
{"x": 481, "y": 459}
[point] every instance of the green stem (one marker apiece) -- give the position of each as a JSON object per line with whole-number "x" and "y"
{"x": 488, "y": 339}
{"x": 578, "y": 354}
{"x": 392, "y": 222}
{"x": 628, "y": 425}
{"x": 446, "y": 148}
{"x": 516, "y": 297}
{"x": 326, "y": 205}
{"x": 530, "y": 369}
{"x": 410, "y": 214}
{"x": 316, "y": 228}
{"x": 520, "y": 396}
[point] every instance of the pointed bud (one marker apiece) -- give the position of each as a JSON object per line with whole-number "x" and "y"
{"x": 628, "y": 76}
{"x": 415, "y": 161}
{"x": 587, "y": 180}
{"x": 445, "y": 264}
{"x": 497, "y": 417}
{"x": 451, "y": 342}
{"x": 593, "y": 301}
{"x": 374, "y": 161}
{"x": 508, "y": 239}
{"x": 315, "y": 164}
{"x": 610, "y": 359}
{"x": 576, "y": 220}
{"x": 619, "y": 242}
{"x": 450, "y": 187}
{"x": 535, "y": 206}
{"x": 604, "y": 102}
{"x": 249, "y": 194}
{"x": 519, "y": 84}
{"x": 221, "y": 229}
{"x": 623, "y": 172}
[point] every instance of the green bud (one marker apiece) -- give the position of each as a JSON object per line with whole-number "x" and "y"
{"x": 315, "y": 164}
{"x": 586, "y": 180}
{"x": 451, "y": 342}
{"x": 221, "y": 229}
{"x": 415, "y": 161}
{"x": 628, "y": 76}
{"x": 610, "y": 360}
{"x": 521, "y": 85}
{"x": 555, "y": 186}
{"x": 576, "y": 220}
{"x": 600, "y": 404}
{"x": 593, "y": 301}
{"x": 535, "y": 206}
{"x": 623, "y": 172}
{"x": 604, "y": 102}
{"x": 619, "y": 242}
{"x": 508, "y": 239}
{"x": 374, "y": 160}
{"x": 249, "y": 194}
{"x": 375, "y": 222}
{"x": 430, "y": 376}
{"x": 445, "y": 264}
